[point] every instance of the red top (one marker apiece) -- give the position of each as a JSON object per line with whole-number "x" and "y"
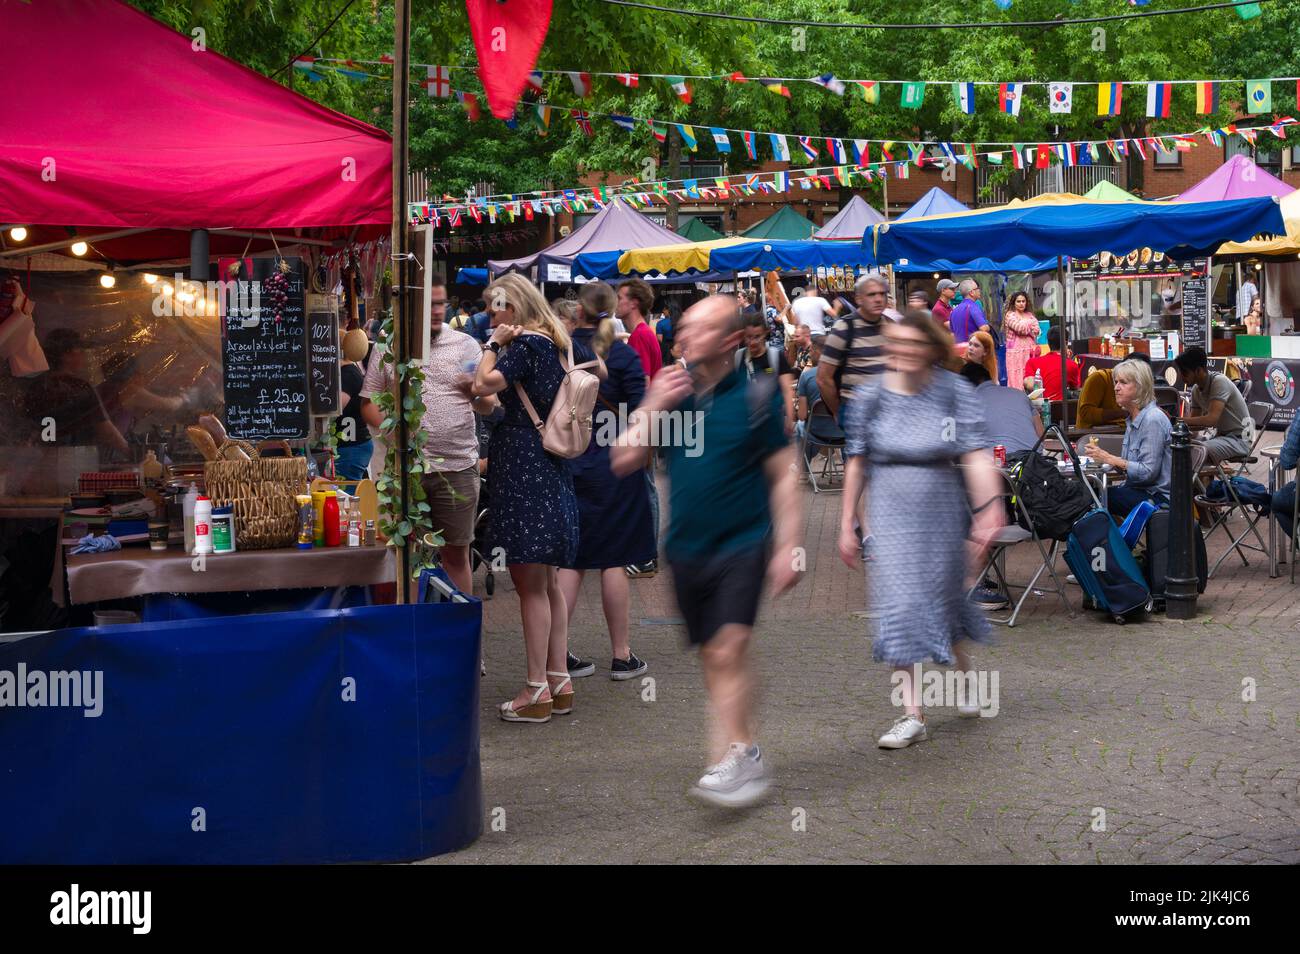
{"x": 645, "y": 344}
{"x": 941, "y": 311}
{"x": 1049, "y": 365}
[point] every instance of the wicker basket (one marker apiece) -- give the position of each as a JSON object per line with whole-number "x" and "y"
{"x": 261, "y": 490}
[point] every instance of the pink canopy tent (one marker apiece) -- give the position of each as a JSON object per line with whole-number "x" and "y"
{"x": 616, "y": 227}
{"x": 113, "y": 122}
{"x": 1238, "y": 178}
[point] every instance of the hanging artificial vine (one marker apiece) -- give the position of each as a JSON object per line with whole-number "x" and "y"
{"x": 414, "y": 525}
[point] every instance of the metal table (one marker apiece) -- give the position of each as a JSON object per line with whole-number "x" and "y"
{"x": 1274, "y": 485}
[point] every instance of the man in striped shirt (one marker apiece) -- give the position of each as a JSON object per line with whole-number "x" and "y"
{"x": 854, "y": 349}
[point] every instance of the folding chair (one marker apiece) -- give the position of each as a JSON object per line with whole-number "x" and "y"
{"x": 1168, "y": 399}
{"x": 1008, "y": 537}
{"x": 1223, "y": 509}
{"x": 830, "y": 447}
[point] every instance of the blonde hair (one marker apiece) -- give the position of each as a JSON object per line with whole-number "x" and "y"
{"x": 597, "y": 301}
{"x": 530, "y": 308}
{"x": 1139, "y": 373}
{"x": 990, "y": 361}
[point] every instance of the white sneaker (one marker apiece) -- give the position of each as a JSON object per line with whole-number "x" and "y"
{"x": 970, "y": 710}
{"x": 905, "y": 730}
{"x": 738, "y": 781}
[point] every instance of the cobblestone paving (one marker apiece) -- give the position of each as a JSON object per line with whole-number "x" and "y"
{"x": 1146, "y": 722}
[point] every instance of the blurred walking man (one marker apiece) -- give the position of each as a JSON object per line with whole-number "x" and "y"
{"x": 735, "y": 518}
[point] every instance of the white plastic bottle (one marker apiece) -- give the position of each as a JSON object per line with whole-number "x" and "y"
{"x": 202, "y": 525}
{"x": 187, "y": 508}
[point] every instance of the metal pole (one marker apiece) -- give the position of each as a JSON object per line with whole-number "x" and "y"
{"x": 1065, "y": 346}
{"x": 1181, "y": 583}
{"x": 399, "y": 344}
{"x": 199, "y": 255}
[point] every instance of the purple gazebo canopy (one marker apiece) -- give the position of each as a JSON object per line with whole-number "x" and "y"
{"x": 616, "y": 227}
{"x": 1238, "y": 178}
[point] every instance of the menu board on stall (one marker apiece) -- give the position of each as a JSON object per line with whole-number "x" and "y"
{"x": 323, "y": 354}
{"x": 1196, "y": 314}
{"x": 264, "y": 355}
{"x": 1138, "y": 263}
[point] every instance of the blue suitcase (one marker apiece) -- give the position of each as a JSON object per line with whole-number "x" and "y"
{"x": 1102, "y": 561}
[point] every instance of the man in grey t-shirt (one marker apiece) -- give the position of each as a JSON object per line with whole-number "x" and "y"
{"x": 1009, "y": 418}
{"x": 1218, "y": 404}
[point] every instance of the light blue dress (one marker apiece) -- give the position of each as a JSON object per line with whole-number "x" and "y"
{"x": 917, "y": 514}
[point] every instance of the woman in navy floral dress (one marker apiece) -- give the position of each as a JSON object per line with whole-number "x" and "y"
{"x": 534, "y": 523}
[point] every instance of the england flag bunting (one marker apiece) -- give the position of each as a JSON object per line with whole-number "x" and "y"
{"x": 439, "y": 82}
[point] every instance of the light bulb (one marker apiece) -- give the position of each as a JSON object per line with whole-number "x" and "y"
{"x": 18, "y": 233}
{"x": 150, "y": 278}
{"x": 108, "y": 279}
{"x": 167, "y": 289}
{"x": 80, "y": 248}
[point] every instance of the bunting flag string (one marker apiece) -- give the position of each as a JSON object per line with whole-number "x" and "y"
{"x": 920, "y": 154}
{"x": 1257, "y": 92}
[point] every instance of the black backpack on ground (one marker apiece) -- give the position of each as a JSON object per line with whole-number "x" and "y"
{"x": 1053, "y": 502}
{"x": 1155, "y": 562}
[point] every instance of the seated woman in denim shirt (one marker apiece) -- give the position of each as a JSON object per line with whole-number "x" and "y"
{"x": 1146, "y": 455}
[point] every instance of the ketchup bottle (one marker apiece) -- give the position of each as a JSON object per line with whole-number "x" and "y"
{"x": 331, "y": 517}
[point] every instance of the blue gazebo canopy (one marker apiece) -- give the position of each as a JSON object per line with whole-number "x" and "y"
{"x": 1069, "y": 226}
{"x": 934, "y": 202}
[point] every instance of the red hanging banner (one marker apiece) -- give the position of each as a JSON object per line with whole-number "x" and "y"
{"x": 508, "y": 35}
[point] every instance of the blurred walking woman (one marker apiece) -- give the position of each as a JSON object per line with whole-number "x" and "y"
{"x": 614, "y": 523}
{"x": 534, "y": 512}
{"x": 905, "y": 434}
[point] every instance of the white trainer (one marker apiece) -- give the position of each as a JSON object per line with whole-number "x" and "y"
{"x": 738, "y": 781}
{"x": 905, "y": 730}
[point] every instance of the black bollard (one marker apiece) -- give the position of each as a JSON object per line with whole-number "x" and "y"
{"x": 1180, "y": 584}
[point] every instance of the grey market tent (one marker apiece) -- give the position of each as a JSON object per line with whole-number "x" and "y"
{"x": 851, "y": 222}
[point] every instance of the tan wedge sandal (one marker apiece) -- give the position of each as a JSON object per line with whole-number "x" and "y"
{"x": 561, "y": 702}
{"x": 533, "y": 712}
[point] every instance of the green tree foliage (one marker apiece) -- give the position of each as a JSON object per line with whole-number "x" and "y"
{"x": 594, "y": 36}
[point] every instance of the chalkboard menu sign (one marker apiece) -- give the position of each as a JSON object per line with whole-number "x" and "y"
{"x": 1196, "y": 314}
{"x": 264, "y": 349}
{"x": 323, "y": 355}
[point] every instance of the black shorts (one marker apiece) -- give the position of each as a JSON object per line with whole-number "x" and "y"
{"x": 716, "y": 590}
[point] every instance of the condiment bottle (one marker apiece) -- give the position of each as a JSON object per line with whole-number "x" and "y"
{"x": 202, "y": 525}
{"x": 370, "y": 533}
{"x": 354, "y": 525}
{"x": 331, "y": 518}
{"x": 187, "y": 509}
{"x": 306, "y": 522}
{"x": 318, "y": 504}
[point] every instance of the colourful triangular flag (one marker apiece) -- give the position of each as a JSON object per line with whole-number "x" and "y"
{"x": 751, "y": 150}
{"x": 720, "y": 139}
{"x": 438, "y": 83}
{"x": 1009, "y": 98}
{"x": 913, "y": 95}
{"x": 964, "y": 95}
{"x": 1207, "y": 98}
{"x": 658, "y": 130}
{"x": 1259, "y": 96}
{"x": 1110, "y": 98}
{"x": 775, "y": 86}
{"x": 623, "y": 122}
{"x": 581, "y": 84}
{"x": 680, "y": 87}
{"x": 828, "y": 81}
{"x": 630, "y": 80}
{"x": 870, "y": 90}
{"x": 1158, "y": 97}
{"x": 780, "y": 148}
{"x": 688, "y": 137}
{"x": 1060, "y": 97}
{"x": 470, "y": 102}
{"x": 809, "y": 150}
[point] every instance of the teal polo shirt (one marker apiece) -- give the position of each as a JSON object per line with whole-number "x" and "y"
{"x": 718, "y": 499}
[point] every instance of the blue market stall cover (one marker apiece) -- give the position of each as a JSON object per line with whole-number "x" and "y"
{"x": 1077, "y": 229}
{"x": 472, "y": 276}
{"x": 743, "y": 256}
{"x": 332, "y": 736}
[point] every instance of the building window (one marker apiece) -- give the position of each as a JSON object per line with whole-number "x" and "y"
{"x": 1268, "y": 160}
{"x": 1169, "y": 160}
{"x": 702, "y": 170}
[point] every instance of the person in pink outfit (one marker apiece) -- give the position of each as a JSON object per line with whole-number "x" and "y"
{"x": 1021, "y": 328}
